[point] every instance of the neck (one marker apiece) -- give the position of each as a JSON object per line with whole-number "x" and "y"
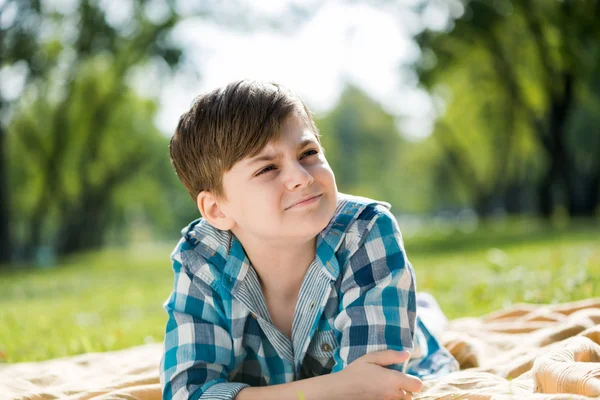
{"x": 280, "y": 267}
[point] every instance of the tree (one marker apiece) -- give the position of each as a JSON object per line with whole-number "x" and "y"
{"x": 64, "y": 141}
{"x": 362, "y": 145}
{"x": 85, "y": 153}
{"x": 16, "y": 46}
{"x": 543, "y": 54}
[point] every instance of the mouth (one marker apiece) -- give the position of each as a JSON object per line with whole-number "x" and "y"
{"x": 305, "y": 201}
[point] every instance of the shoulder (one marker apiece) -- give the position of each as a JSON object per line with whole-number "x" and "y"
{"x": 372, "y": 250}
{"x": 358, "y": 217}
{"x": 374, "y": 212}
{"x": 202, "y": 251}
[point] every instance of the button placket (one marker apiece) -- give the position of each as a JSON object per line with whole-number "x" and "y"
{"x": 313, "y": 300}
{"x": 326, "y": 347}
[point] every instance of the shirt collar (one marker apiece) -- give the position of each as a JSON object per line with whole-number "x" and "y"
{"x": 225, "y": 251}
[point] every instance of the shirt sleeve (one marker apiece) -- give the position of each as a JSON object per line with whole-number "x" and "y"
{"x": 198, "y": 353}
{"x": 377, "y": 293}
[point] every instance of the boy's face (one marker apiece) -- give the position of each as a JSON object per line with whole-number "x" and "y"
{"x": 286, "y": 192}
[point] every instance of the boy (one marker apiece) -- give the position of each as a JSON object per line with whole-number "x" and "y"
{"x": 284, "y": 288}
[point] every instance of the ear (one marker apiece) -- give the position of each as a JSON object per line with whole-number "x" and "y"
{"x": 210, "y": 209}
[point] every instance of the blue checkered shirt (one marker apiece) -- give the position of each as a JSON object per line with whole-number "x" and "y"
{"x": 358, "y": 296}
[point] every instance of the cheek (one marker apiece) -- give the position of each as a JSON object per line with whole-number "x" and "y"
{"x": 325, "y": 173}
{"x": 266, "y": 199}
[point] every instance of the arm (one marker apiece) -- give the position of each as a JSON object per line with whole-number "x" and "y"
{"x": 325, "y": 387}
{"x": 198, "y": 347}
{"x": 377, "y": 294}
{"x": 366, "y": 378}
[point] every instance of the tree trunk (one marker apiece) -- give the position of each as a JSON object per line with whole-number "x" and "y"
{"x": 5, "y": 231}
{"x": 545, "y": 199}
{"x": 482, "y": 205}
{"x": 560, "y": 167}
{"x": 86, "y": 228}
{"x": 85, "y": 223}
{"x": 52, "y": 187}
{"x": 513, "y": 198}
{"x": 583, "y": 200}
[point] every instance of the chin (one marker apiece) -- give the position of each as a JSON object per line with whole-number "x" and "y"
{"x": 320, "y": 223}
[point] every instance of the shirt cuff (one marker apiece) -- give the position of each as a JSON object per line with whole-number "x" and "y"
{"x": 223, "y": 391}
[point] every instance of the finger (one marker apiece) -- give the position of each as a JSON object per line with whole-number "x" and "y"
{"x": 408, "y": 382}
{"x": 404, "y": 395}
{"x": 386, "y": 357}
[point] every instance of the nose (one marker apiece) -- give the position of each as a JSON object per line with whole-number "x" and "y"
{"x": 298, "y": 177}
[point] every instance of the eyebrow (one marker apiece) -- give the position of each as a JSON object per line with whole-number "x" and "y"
{"x": 270, "y": 157}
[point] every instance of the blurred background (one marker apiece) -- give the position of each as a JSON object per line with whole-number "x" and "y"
{"x": 479, "y": 121}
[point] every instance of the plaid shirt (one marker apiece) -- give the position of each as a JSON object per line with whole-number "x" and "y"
{"x": 358, "y": 296}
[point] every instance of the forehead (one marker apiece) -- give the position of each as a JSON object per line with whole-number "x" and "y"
{"x": 294, "y": 132}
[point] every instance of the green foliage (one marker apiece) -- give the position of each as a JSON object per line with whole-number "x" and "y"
{"x": 128, "y": 152}
{"x": 86, "y": 158}
{"x": 370, "y": 158}
{"x": 362, "y": 146}
{"x": 113, "y": 299}
{"x": 514, "y": 78}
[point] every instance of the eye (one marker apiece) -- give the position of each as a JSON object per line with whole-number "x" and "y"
{"x": 266, "y": 169}
{"x": 310, "y": 152}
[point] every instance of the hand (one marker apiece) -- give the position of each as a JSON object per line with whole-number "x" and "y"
{"x": 367, "y": 378}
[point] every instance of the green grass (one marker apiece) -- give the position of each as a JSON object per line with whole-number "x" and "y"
{"x": 97, "y": 302}
{"x": 113, "y": 299}
{"x": 506, "y": 263}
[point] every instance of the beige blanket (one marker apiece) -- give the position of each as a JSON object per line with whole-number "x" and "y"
{"x": 528, "y": 352}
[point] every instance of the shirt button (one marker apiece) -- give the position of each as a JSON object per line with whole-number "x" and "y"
{"x": 326, "y": 347}
{"x": 312, "y": 305}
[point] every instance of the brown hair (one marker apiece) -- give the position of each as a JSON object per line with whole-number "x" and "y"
{"x": 226, "y": 125}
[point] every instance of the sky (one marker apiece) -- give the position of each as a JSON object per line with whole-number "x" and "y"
{"x": 341, "y": 43}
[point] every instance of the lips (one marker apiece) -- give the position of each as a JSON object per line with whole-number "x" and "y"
{"x": 312, "y": 196}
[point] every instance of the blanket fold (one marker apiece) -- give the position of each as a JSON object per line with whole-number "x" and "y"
{"x": 527, "y": 352}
